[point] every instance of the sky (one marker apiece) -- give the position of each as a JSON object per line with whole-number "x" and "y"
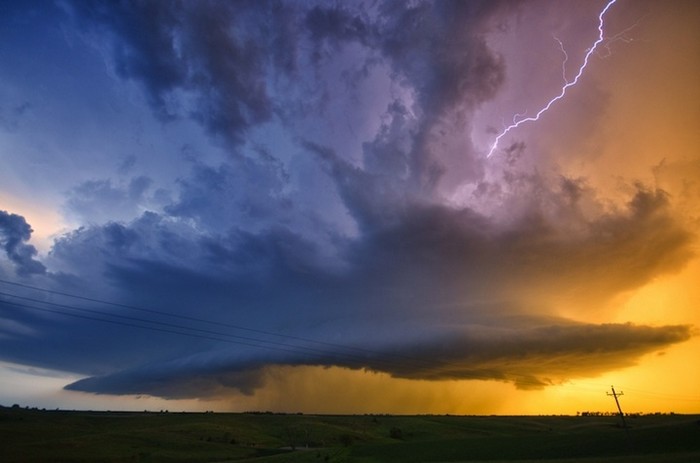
{"x": 290, "y": 206}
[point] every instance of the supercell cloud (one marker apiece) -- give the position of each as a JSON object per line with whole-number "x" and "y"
{"x": 319, "y": 199}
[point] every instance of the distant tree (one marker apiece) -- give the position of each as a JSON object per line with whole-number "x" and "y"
{"x": 395, "y": 433}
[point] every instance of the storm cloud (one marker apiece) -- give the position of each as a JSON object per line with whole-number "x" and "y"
{"x": 531, "y": 357}
{"x": 14, "y": 233}
{"x": 435, "y": 293}
{"x": 199, "y": 52}
{"x": 329, "y": 208}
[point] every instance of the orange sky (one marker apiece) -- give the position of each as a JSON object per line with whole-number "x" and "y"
{"x": 649, "y": 133}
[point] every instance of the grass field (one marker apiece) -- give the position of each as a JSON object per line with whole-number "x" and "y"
{"x": 62, "y": 436}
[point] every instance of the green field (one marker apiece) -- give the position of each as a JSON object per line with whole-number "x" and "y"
{"x": 62, "y": 436}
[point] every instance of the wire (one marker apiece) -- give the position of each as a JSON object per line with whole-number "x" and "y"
{"x": 377, "y": 357}
{"x": 117, "y": 322}
{"x": 201, "y": 320}
{"x": 136, "y": 319}
{"x": 661, "y": 395}
{"x": 196, "y": 332}
{"x": 374, "y": 362}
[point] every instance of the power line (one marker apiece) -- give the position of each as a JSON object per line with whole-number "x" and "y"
{"x": 209, "y": 322}
{"x": 661, "y": 395}
{"x": 117, "y": 322}
{"x": 377, "y": 361}
{"x": 136, "y": 319}
{"x": 390, "y": 361}
{"x": 195, "y": 332}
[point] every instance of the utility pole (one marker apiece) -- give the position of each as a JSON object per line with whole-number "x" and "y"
{"x": 616, "y": 395}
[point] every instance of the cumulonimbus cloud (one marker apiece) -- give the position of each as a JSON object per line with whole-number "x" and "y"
{"x": 362, "y": 261}
{"x": 402, "y": 300}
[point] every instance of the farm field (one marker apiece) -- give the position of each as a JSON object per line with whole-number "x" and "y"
{"x": 83, "y": 436}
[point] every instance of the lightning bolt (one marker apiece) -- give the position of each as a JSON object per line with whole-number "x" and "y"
{"x": 567, "y": 84}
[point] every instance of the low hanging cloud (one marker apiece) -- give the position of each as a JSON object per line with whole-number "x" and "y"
{"x": 405, "y": 302}
{"x": 531, "y": 357}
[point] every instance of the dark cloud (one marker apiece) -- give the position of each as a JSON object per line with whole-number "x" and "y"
{"x": 375, "y": 257}
{"x": 400, "y": 294}
{"x": 337, "y": 25}
{"x": 550, "y": 238}
{"x": 372, "y": 199}
{"x": 441, "y": 52}
{"x": 539, "y": 352}
{"x": 204, "y": 60}
{"x": 203, "y": 52}
{"x": 146, "y": 49}
{"x": 531, "y": 355}
{"x": 14, "y": 232}
{"x": 183, "y": 383}
{"x": 240, "y": 193}
{"x": 437, "y": 50}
